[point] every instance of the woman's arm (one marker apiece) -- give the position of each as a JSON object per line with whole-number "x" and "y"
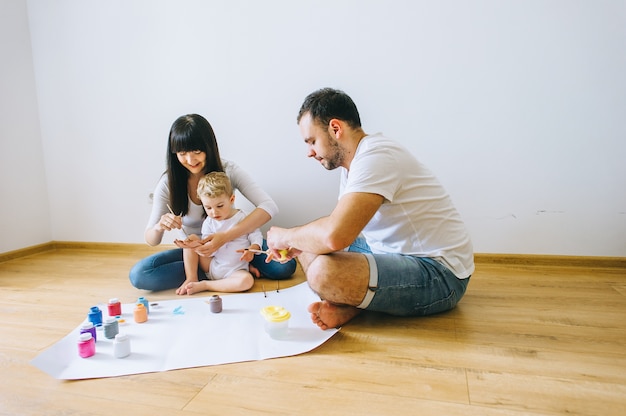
{"x": 254, "y": 220}
{"x": 265, "y": 209}
{"x": 161, "y": 219}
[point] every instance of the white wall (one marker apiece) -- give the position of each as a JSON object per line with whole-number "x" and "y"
{"x": 518, "y": 106}
{"x": 24, "y": 206}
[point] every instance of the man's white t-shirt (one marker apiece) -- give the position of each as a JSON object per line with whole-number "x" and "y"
{"x": 417, "y": 216}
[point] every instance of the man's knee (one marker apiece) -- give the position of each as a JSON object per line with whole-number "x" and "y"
{"x": 317, "y": 273}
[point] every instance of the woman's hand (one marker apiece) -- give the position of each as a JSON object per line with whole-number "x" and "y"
{"x": 169, "y": 222}
{"x": 211, "y": 243}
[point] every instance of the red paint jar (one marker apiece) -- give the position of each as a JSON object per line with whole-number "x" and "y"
{"x": 115, "y": 307}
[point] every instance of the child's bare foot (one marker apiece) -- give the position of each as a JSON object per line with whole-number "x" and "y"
{"x": 182, "y": 290}
{"x": 195, "y": 287}
{"x": 254, "y": 272}
{"x": 328, "y": 315}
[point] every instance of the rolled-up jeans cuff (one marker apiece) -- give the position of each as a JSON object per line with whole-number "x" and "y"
{"x": 373, "y": 282}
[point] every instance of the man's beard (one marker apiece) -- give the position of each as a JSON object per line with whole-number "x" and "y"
{"x": 338, "y": 154}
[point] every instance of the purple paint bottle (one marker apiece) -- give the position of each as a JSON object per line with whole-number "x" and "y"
{"x": 88, "y": 327}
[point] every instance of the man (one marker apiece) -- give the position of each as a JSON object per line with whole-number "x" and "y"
{"x": 408, "y": 252}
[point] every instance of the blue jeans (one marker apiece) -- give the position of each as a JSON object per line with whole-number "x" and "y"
{"x": 409, "y": 285}
{"x": 165, "y": 270}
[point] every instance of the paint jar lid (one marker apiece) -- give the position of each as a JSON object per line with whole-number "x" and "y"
{"x": 87, "y": 325}
{"x": 110, "y": 320}
{"x": 85, "y": 336}
{"x": 275, "y": 313}
{"x": 114, "y": 300}
{"x": 95, "y": 309}
{"x": 121, "y": 337}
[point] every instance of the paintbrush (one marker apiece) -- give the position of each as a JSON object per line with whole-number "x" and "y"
{"x": 182, "y": 227}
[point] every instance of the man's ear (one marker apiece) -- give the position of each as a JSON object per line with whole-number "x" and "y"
{"x": 335, "y": 127}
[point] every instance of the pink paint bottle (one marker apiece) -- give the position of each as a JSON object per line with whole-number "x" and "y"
{"x": 86, "y": 345}
{"x": 115, "y": 307}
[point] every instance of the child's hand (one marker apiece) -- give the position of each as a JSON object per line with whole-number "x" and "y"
{"x": 248, "y": 255}
{"x": 192, "y": 241}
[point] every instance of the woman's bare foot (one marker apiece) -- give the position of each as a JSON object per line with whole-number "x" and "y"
{"x": 328, "y": 315}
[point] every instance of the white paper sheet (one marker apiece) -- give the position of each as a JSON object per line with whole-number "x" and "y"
{"x": 193, "y": 337}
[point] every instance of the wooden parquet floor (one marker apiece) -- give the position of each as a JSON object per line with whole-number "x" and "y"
{"x": 525, "y": 340}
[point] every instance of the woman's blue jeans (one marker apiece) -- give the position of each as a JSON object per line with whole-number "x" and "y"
{"x": 165, "y": 270}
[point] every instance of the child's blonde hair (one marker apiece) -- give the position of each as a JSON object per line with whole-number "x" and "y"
{"x": 214, "y": 184}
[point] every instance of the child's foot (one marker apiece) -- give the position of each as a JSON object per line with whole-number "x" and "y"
{"x": 327, "y": 315}
{"x": 182, "y": 290}
{"x": 254, "y": 272}
{"x": 194, "y": 287}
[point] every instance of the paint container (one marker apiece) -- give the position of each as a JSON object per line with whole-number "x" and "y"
{"x": 140, "y": 313}
{"x": 86, "y": 345}
{"x": 88, "y": 327}
{"x": 145, "y": 303}
{"x": 215, "y": 303}
{"x": 121, "y": 346}
{"x": 276, "y": 321}
{"x": 95, "y": 316}
{"x": 115, "y": 307}
{"x": 111, "y": 328}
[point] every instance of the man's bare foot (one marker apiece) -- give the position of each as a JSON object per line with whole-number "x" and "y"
{"x": 327, "y": 315}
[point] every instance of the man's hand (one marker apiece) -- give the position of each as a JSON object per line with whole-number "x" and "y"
{"x": 279, "y": 248}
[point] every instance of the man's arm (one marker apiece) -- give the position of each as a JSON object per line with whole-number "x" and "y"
{"x": 332, "y": 233}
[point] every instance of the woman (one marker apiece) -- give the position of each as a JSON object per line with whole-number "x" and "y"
{"x": 192, "y": 152}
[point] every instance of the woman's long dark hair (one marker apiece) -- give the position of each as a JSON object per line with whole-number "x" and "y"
{"x": 189, "y": 133}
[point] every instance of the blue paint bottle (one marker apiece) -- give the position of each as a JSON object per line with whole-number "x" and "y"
{"x": 95, "y": 316}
